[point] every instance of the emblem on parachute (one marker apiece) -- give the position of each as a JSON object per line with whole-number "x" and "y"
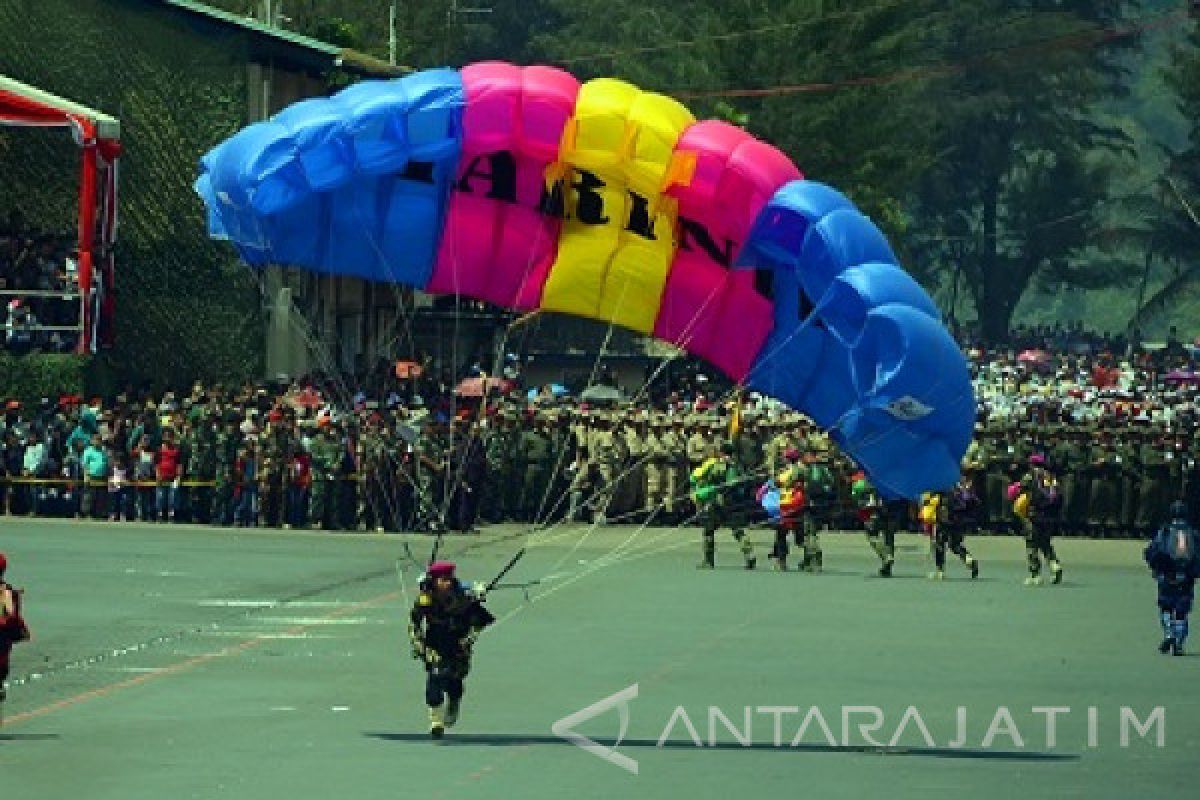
{"x": 908, "y": 408}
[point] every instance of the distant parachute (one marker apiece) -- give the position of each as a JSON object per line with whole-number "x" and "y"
{"x": 524, "y": 188}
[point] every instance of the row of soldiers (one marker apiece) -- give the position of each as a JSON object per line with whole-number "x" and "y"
{"x": 399, "y": 471}
{"x": 527, "y": 465}
{"x": 615, "y": 466}
{"x": 1113, "y": 481}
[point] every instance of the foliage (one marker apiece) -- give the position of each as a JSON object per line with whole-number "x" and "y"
{"x": 30, "y": 378}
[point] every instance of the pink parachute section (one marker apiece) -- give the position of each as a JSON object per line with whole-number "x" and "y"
{"x": 495, "y": 249}
{"x": 708, "y": 308}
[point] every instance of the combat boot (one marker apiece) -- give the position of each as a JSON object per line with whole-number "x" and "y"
{"x": 1056, "y": 571}
{"x": 747, "y": 550}
{"x": 452, "y": 707}
{"x": 886, "y": 570}
{"x": 973, "y": 565}
{"x": 437, "y": 725}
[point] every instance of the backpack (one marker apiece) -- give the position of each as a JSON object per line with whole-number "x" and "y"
{"x": 819, "y": 485}
{"x": 12, "y": 626}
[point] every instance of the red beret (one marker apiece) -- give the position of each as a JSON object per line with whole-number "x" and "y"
{"x": 440, "y": 569}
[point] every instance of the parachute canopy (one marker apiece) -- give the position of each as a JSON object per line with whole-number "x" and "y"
{"x": 524, "y": 188}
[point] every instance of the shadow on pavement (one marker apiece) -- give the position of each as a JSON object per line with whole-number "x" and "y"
{"x": 524, "y": 740}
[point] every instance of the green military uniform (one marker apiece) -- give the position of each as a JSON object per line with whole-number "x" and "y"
{"x": 325, "y": 459}
{"x": 749, "y": 451}
{"x": 821, "y": 496}
{"x": 276, "y": 453}
{"x": 377, "y": 482}
{"x": 201, "y": 468}
{"x": 633, "y": 468}
{"x": 1040, "y": 487}
{"x": 499, "y": 500}
{"x": 606, "y": 454}
{"x": 996, "y": 481}
{"x": 534, "y": 458}
{"x": 657, "y": 459}
{"x": 884, "y": 518}
{"x": 1070, "y": 457}
{"x": 1129, "y": 454}
{"x": 1106, "y": 471}
{"x": 715, "y": 484}
{"x": 227, "y": 442}
{"x": 676, "y": 470}
{"x": 1153, "y": 495}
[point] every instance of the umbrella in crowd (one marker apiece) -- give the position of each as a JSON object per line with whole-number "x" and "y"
{"x": 601, "y": 394}
{"x": 307, "y": 397}
{"x": 477, "y": 387}
{"x": 408, "y": 369}
{"x": 1037, "y": 359}
{"x": 552, "y": 390}
{"x": 1181, "y": 376}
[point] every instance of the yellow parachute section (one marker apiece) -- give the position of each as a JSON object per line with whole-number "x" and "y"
{"x": 617, "y": 243}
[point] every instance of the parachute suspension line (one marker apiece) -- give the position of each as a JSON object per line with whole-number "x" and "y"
{"x": 301, "y": 324}
{"x": 317, "y": 348}
{"x": 534, "y": 534}
{"x": 420, "y": 489}
{"x": 449, "y": 486}
{"x": 558, "y": 465}
{"x": 688, "y": 334}
{"x": 663, "y": 363}
{"x": 622, "y": 554}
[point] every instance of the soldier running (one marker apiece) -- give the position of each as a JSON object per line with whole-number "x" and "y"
{"x": 445, "y": 622}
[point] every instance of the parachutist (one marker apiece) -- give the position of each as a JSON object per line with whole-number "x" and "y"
{"x": 1174, "y": 559}
{"x": 446, "y": 619}
{"x": 789, "y": 488}
{"x": 1036, "y": 500}
{"x": 12, "y": 628}
{"x": 949, "y": 514}
{"x": 882, "y": 519}
{"x": 714, "y": 483}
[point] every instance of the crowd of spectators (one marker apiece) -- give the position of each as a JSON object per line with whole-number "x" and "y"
{"x": 38, "y": 288}
{"x": 384, "y": 452}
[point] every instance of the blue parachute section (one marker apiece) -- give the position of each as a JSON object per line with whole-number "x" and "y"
{"x": 354, "y": 184}
{"x": 858, "y": 345}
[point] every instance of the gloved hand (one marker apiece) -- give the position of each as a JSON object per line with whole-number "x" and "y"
{"x": 427, "y": 654}
{"x": 468, "y": 641}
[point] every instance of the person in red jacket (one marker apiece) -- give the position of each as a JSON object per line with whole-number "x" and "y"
{"x": 12, "y": 628}
{"x": 168, "y": 472}
{"x": 299, "y": 483}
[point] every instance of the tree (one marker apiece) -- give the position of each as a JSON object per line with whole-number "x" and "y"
{"x": 1175, "y": 234}
{"x": 1017, "y": 190}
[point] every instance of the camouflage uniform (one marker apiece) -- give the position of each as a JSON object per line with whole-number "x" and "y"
{"x": 326, "y": 456}
{"x": 227, "y": 443}
{"x": 657, "y": 463}
{"x": 201, "y": 468}
{"x": 716, "y": 483}
{"x": 533, "y": 446}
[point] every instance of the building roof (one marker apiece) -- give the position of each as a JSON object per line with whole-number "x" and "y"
{"x": 275, "y": 42}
